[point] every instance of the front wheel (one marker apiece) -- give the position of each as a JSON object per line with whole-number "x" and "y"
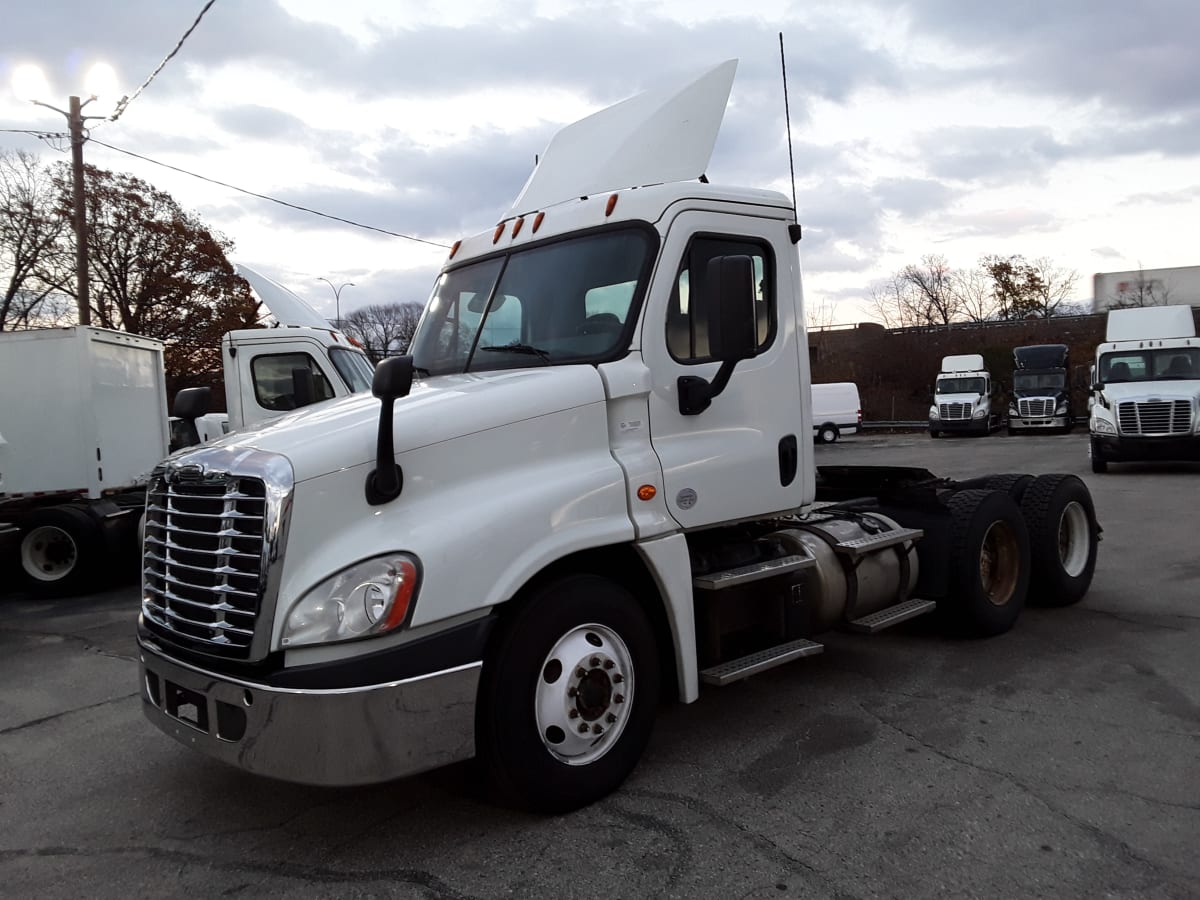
{"x": 1099, "y": 463}
{"x": 827, "y": 434}
{"x": 933, "y": 432}
{"x": 569, "y": 693}
{"x": 989, "y": 562}
{"x": 1063, "y": 537}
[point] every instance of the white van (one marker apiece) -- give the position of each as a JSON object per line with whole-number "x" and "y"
{"x": 836, "y": 410}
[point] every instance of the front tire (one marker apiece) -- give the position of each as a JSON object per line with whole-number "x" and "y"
{"x": 989, "y": 562}
{"x": 1063, "y": 536}
{"x": 579, "y": 653}
{"x": 827, "y": 433}
{"x": 1099, "y": 463}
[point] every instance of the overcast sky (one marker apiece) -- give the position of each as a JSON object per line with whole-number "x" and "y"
{"x": 1062, "y": 128}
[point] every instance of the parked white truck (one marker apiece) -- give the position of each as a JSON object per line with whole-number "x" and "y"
{"x": 1146, "y": 394}
{"x": 83, "y": 421}
{"x": 836, "y": 410}
{"x": 598, "y": 491}
{"x": 962, "y": 398}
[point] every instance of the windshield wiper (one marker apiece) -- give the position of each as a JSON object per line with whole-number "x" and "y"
{"x": 517, "y": 347}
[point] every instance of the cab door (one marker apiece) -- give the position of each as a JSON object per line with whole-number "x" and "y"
{"x": 748, "y": 454}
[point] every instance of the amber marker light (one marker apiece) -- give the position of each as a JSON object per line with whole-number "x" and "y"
{"x": 647, "y": 492}
{"x": 406, "y": 576}
{"x": 499, "y": 231}
{"x": 454, "y": 249}
{"x": 612, "y": 204}
{"x": 537, "y": 221}
{"x": 517, "y": 226}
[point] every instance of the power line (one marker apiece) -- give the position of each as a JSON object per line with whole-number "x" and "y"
{"x": 233, "y": 187}
{"x": 125, "y": 101}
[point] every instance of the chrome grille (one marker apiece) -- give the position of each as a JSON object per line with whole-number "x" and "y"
{"x": 955, "y": 410}
{"x": 1035, "y": 407}
{"x": 203, "y": 559}
{"x": 1155, "y": 417}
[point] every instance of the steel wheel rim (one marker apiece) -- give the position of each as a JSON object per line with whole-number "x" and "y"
{"x": 999, "y": 563}
{"x": 1074, "y": 539}
{"x": 584, "y": 694}
{"x": 827, "y": 436}
{"x": 49, "y": 553}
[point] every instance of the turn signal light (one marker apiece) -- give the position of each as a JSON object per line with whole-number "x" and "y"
{"x": 647, "y": 492}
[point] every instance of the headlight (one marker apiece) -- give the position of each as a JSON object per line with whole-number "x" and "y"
{"x": 1013, "y": 412}
{"x": 369, "y": 598}
{"x": 933, "y": 413}
{"x": 1103, "y": 426}
{"x": 980, "y": 412}
{"x": 1062, "y": 409}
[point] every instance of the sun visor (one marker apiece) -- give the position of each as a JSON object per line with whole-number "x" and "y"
{"x": 285, "y": 306}
{"x": 665, "y": 134}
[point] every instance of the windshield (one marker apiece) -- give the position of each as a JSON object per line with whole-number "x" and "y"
{"x": 354, "y": 368}
{"x": 1055, "y": 381}
{"x": 571, "y": 301}
{"x": 961, "y": 386}
{"x": 1150, "y": 365}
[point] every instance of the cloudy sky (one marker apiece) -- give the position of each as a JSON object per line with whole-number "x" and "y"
{"x": 1060, "y": 128}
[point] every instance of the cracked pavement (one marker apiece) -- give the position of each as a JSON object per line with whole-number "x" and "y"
{"x": 1061, "y": 760}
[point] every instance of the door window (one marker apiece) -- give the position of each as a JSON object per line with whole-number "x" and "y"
{"x": 274, "y": 383}
{"x": 687, "y": 326}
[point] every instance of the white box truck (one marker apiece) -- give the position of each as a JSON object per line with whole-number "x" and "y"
{"x": 1146, "y": 393}
{"x": 962, "y": 398}
{"x": 836, "y": 410}
{"x": 598, "y": 491}
{"x": 83, "y": 421}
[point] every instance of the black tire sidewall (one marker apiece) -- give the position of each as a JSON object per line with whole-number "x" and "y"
{"x": 87, "y": 536}
{"x": 972, "y": 513}
{"x": 1043, "y": 506}
{"x": 516, "y": 761}
{"x": 833, "y": 434}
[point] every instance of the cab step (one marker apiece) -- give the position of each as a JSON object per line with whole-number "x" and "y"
{"x": 862, "y": 546}
{"x": 716, "y": 581}
{"x": 893, "y": 615}
{"x": 737, "y": 669}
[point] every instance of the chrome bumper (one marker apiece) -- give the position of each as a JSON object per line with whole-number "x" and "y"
{"x": 1033, "y": 424}
{"x": 336, "y": 737}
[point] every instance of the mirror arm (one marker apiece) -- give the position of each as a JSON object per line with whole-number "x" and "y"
{"x": 696, "y": 393}
{"x": 386, "y": 480}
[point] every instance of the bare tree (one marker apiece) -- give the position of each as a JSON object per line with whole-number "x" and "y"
{"x": 1052, "y": 286}
{"x": 30, "y": 229}
{"x": 819, "y": 315}
{"x": 383, "y": 329}
{"x": 976, "y": 298}
{"x": 932, "y": 285}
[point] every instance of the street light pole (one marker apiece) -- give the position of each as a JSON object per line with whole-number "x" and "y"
{"x": 82, "y": 295}
{"x": 337, "y": 298}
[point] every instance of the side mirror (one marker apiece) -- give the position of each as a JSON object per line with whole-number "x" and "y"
{"x": 728, "y": 308}
{"x": 190, "y": 404}
{"x": 1097, "y": 386}
{"x": 393, "y": 378}
{"x": 304, "y": 388}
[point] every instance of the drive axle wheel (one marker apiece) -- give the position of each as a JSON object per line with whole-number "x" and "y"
{"x": 989, "y": 562}
{"x": 58, "y": 550}
{"x": 1064, "y": 537}
{"x": 568, "y": 694}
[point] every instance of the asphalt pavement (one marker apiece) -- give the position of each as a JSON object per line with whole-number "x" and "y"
{"x": 1060, "y": 760}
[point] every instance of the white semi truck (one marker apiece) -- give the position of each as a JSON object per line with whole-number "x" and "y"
{"x": 962, "y": 398}
{"x": 1146, "y": 390}
{"x": 599, "y": 492}
{"x": 83, "y": 421}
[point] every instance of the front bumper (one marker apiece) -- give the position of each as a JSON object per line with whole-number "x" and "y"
{"x": 957, "y": 425}
{"x": 1116, "y": 448}
{"x": 343, "y": 736}
{"x": 1038, "y": 424}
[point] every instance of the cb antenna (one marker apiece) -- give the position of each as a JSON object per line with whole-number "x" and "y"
{"x": 794, "y": 228}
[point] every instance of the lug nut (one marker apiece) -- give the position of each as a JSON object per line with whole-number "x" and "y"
{"x": 618, "y": 678}
{"x": 610, "y": 718}
{"x": 571, "y": 692}
{"x": 583, "y": 729}
{"x": 608, "y": 664}
{"x": 596, "y": 729}
{"x": 573, "y": 713}
{"x": 579, "y": 673}
{"x": 594, "y": 661}
{"x": 619, "y": 698}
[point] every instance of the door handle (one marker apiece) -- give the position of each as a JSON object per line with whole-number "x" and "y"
{"x": 788, "y": 459}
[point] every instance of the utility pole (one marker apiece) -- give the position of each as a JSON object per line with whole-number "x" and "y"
{"x": 82, "y": 295}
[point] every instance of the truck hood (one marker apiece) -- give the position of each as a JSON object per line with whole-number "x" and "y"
{"x": 1056, "y": 393}
{"x": 339, "y": 434}
{"x": 1183, "y": 389}
{"x": 957, "y": 398}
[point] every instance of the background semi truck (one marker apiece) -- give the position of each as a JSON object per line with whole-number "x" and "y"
{"x": 1146, "y": 394}
{"x": 83, "y": 421}
{"x": 598, "y": 492}
{"x": 1041, "y": 393}
{"x": 962, "y": 398}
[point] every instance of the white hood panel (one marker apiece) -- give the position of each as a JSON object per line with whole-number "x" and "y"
{"x": 1141, "y": 391}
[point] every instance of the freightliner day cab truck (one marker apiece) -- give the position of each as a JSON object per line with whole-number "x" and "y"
{"x": 599, "y": 492}
{"x": 83, "y": 421}
{"x": 1146, "y": 395}
{"x": 1041, "y": 396}
{"x": 962, "y": 398}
